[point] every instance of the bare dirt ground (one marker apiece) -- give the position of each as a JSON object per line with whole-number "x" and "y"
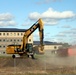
{"x": 42, "y": 65}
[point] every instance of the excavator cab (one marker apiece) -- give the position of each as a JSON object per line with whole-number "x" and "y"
{"x": 29, "y": 47}
{"x": 29, "y": 50}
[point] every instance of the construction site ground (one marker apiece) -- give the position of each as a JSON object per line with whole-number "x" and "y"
{"x": 47, "y": 64}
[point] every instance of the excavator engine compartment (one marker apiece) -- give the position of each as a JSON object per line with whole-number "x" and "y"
{"x": 13, "y": 49}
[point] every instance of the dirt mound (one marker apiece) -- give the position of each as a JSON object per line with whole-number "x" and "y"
{"x": 43, "y": 65}
{"x": 20, "y": 65}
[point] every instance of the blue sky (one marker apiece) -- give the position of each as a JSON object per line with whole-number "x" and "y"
{"x": 59, "y": 17}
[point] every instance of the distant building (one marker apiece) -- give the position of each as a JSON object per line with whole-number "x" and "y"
{"x": 49, "y": 45}
{"x": 11, "y": 36}
{"x": 15, "y": 36}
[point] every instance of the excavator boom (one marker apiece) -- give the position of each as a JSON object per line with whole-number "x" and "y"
{"x": 39, "y": 25}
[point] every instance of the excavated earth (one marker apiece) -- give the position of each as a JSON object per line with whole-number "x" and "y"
{"x": 42, "y": 65}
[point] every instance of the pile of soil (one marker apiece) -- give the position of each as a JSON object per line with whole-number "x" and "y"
{"x": 28, "y": 66}
{"x": 20, "y": 65}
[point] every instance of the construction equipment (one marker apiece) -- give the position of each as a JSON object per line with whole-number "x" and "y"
{"x": 27, "y": 48}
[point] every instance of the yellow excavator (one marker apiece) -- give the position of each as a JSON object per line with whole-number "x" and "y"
{"x": 27, "y": 48}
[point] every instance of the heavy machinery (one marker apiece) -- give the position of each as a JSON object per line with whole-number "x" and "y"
{"x": 27, "y": 48}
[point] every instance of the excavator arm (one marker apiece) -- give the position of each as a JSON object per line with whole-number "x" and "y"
{"x": 39, "y": 25}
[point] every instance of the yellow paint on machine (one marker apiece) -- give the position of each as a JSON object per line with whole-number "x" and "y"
{"x": 11, "y": 49}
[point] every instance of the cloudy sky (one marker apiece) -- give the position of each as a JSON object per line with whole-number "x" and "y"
{"x": 59, "y": 17}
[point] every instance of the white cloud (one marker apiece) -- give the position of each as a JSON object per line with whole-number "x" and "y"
{"x": 26, "y": 23}
{"x": 51, "y": 16}
{"x": 47, "y": 1}
{"x": 68, "y": 32}
{"x": 2, "y": 23}
{"x": 43, "y": 2}
{"x": 54, "y": 39}
{"x": 6, "y": 19}
{"x": 67, "y": 36}
{"x": 7, "y": 23}
{"x": 34, "y": 15}
{"x": 66, "y": 26}
{"x": 61, "y": 35}
{"x": 13, "y": 23}
{"x": 73, "y": 29}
